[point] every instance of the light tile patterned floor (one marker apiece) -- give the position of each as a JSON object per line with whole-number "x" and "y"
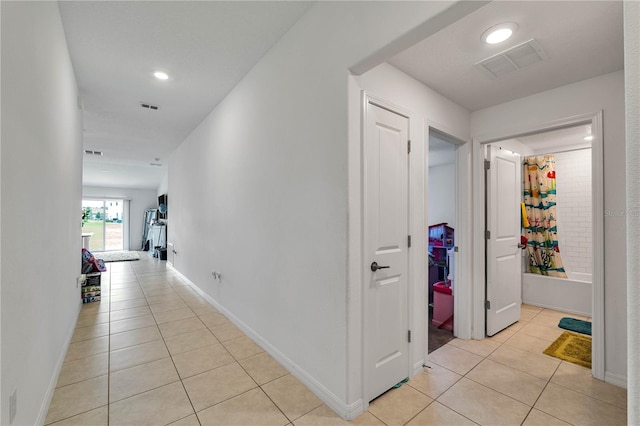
{"x": 154, "y": 352}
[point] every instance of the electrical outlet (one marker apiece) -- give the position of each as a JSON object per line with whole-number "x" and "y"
{"x": 13, "y": 405}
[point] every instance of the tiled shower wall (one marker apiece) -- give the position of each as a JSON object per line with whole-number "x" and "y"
{"x": 573, "y": 184}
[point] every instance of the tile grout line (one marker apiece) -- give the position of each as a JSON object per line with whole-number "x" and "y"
{"x": 237, "y": 361}
{"x": 468, "y": 378}
{"x": 549, "y": 380}
{"x": 538, "y": 398}
{"x": 225, "y": 348}
{"x": 171, "y": 357}
{"x": 464, "y": 376}
{"x": 577, "y": 390}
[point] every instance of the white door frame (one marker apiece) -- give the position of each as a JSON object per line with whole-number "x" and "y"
{"x": 597, "y": 169}
{"x": 462, "y": 301}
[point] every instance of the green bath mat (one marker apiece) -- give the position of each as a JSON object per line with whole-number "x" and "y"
{"x": 572, "y": 324}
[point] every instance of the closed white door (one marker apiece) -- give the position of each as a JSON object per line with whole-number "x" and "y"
{"x": 386, "y": 243}
{"x": 504, "y": 261}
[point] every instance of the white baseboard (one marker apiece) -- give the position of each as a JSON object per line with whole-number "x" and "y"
{"x": 46, "y": 402}
{"x": 346, "y": 411}
{"x": 616, "y": 379}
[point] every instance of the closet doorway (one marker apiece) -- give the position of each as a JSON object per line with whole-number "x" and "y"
{"x": 441, "y": 219}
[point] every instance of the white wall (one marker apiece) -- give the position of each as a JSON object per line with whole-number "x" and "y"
{"x": 574, "y": 204}
{"x": 41, "y": 205}
{"x": 632, "y": 105}
{"x": 163, "y": 188}
{"x": 442, "y": 195}
{"x": 604, "y": 93}
{"x": 514, "y": 145}
{"x": 139, "y": 201}
{"x": 258, "y": 191}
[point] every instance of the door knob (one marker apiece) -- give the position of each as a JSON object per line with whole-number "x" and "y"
{"x": 522, "y": 246}
{"x": 375, "y": 267}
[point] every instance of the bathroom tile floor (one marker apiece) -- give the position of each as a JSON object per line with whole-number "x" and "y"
{"x": 154, "y": 352}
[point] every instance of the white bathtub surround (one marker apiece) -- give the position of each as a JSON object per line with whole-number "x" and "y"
{"x": 574, "y": 221}
{"x": 572, "y": 294}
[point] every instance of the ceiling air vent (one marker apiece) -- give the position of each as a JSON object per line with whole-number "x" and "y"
{"x": 512, "y": 59}
{"x": 90, "y": 152}
{"x": 149, "y": 106}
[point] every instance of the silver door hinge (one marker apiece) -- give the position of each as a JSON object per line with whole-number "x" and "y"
{"x": 487, "y": 164}
{"x": 409, "y": 336}
{"x": 487, "y": 234}
{"x": 409, "y": 146}
{"x": 455, "y": 249}
{"x": 409, "y": 240}
{"x": 487, "y": 305}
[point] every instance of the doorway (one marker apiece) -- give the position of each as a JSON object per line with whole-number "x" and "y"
{"x": 103, "y": 221}
{"x": 577, "y": 144}
{"x": 441, "y": 219}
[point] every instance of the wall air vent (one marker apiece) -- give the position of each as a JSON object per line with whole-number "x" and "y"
{"x": 90, "y": 152}
{"x": 512, "y": 59}
{"x": 149, "y": 106}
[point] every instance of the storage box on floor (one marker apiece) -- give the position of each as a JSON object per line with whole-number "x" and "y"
{"x": 91, "y": 288}
{"x": 160, "y": 253}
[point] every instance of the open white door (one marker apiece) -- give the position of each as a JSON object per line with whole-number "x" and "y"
{"x": 504, "y": 262}
{"x": 386, "y": 244}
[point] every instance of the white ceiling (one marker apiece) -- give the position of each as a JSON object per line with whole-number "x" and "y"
{"x": 558, "y": 140}
{"x": 582, "y": 39}
{"x": 206, "y": 48}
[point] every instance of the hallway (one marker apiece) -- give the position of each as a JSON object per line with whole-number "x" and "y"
{"x": 155, "y": 352}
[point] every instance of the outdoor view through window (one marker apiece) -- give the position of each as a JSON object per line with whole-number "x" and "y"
{"x": 104, "y": 220}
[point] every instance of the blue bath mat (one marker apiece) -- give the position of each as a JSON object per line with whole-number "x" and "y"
{"x": 572, "y": 324}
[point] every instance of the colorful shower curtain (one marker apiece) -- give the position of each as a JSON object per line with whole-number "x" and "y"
{"x": 539, "y": 183}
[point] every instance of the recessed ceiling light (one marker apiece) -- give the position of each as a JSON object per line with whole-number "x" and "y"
{"x": 588, "y": 138}
{"x": 161, "y": 75}
{"x": 499, "y": 33}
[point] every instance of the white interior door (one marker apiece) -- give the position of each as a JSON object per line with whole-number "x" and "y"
{"x": 386, "y": 231}
{"x": 504, "y": 261}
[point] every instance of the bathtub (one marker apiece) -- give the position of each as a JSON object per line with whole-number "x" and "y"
{"x": 571, "y": 294}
